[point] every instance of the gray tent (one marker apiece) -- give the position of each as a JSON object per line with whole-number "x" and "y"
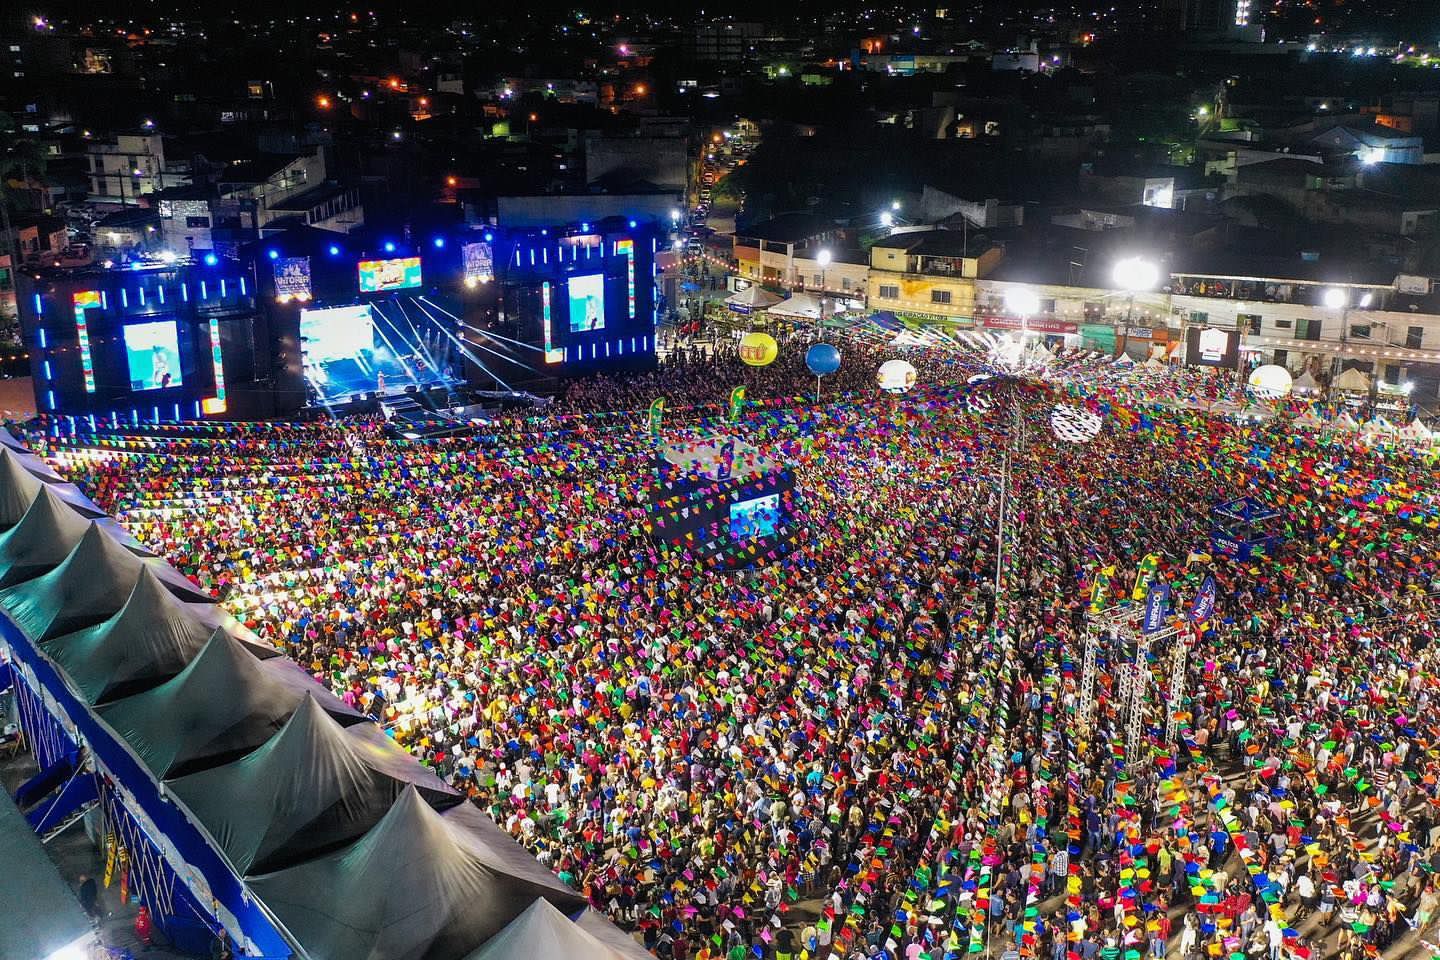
{"x": 223, "y": 705}
{"x": 419, "y": 886}
{"x": 89, "y": 587}
{"x": 313, "y": 788}
{"x": 147, "y": 642}
{"x": 19, "y": 464}
{"x": 544, "y": 932}
{"x": 41, "y": 540}
{"x": 599, "y": 926}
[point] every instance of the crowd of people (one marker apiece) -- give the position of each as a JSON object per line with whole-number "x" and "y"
{"x": 876, "y": 746}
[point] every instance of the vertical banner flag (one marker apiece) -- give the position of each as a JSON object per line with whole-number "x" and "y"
{"x": 1155, "y": 602}
{"x": 727, "y": 460}
{"x": 657, "y": 411}
{"x": 1102, "y": 583}
{"x": 737, "y": 403}
{"x": 1203, "y": 607}
{"x": 1148, "y": 565}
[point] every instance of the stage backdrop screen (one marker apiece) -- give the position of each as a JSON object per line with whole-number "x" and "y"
{"x": 755, "y": 518}
{"x": 1212, "y": 347}
{"x": 152, "y": 351}
{"x": 587, "y": 303}
{"x": 336, "y": 333}
{"x": 398, "y": 274}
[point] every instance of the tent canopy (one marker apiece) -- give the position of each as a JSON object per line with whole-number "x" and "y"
{"x": 312, "y": 788}
{"x": 801, "y": 305}
{"x": 41, "y": 540}
{"x": 418, "y": 885}
{"x": 148, "y": 641}
{"x": 90, "y": 586}
{"x": 754, "y": 296}
{"x": 1352, "y": 381}
{"x": 543, "y": 931}
{"x": 223, "y": 705}
{"x": 1305, "y": 383}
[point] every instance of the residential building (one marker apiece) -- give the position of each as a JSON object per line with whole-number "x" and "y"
{"x": 766, "y": 251}
{"x": 930, "y": 274}
{"x": 125, "y": 169}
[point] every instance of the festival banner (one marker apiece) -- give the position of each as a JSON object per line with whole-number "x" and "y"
{"x": 737, "y": 403}
{"x": 657, "y": 412}
{"x": 1102, "y": 583}
{"x": 1148, "y": 565}
{"x": 1203, "y": 606}
{"x": 1156, "y": 600}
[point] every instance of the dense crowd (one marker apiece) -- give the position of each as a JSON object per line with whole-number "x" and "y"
{"x": 866, "y": 749}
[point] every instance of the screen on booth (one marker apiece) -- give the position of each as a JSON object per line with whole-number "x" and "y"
{"x": 587, "y": 303}
{"x": 152, "y": 351}
{"x": 755, "y": 518}
{"x": 399, "y": 273}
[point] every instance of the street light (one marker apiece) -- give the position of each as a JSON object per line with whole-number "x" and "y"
{"x": 1336, "y": 299}
{"x": 823, "y": 258}
{"x": 887, "y": 219}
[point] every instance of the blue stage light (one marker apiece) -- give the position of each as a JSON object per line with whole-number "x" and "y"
{"x": 489, "y": 237}
{"x": 439, "y": 243}
{"x": 334, "y": 250}
{"x": 632, "y": 224}
{"x": 211, "y": 259}
{"x": 273, "y": 254}
{"x": 389, "y": 247}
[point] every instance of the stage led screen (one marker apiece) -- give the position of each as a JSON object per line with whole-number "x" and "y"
{"x": 152, "y": 351}
{"x": 370, "y": 348}
{"x": 755, "y": 518}
{"x": 397, "y": 274}
{"x": 587, "y": 303}
{"x": 1212, "y": 347}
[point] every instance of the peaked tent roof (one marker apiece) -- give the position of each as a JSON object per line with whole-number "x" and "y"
{"x": 36, "y": 467}
{"x": 90, "y": 586}
{"x": 1353, "y": 380}
{"x": 41, "y": 540}
{"x": 146, "y": 642}
{"x": 311, "y": 788}
{"x": 18, "y": 489}
{"x": 418, "y": 886}
{"x": 601, "y": 928}
{"x": 754, "y": 296}
{"x": 543, "y": 931}
{"x": 1305, "y": 383}
{"x": 223, "y": 705}
{"x": 801, "y": 305}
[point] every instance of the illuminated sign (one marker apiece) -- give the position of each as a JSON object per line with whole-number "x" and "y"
{"x": 82, "y": 301}
{"x": 479, "y": 262}
{"x": 551, "y": 354}
{"x": 627, "y": 248}
{"x": 397, "y": 274}
{"x": 292, "y": 279}
{"x": 217, "y": 403}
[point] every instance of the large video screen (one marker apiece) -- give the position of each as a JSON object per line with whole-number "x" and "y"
{"x": 363, "y": 348}
{"x": 152, "y": 351}
{"x": 1212, "y": 347}
{"x": 587, "y": 303}
{"x": 397, "y": 274}
{"x": 755, "y": 518}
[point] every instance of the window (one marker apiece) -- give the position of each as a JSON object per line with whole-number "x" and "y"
{"x": 939, "y": 296}
{"x": 1392, "y": 374}
{"x": 1249, "y": 322}
{"x": 1284, "y": 324}
{"x": 889, "y": 292}
{"x": 1047, "y": 307}
{"x": 198, "y": 222}
{"x": 1414, "y": 337}
{"x": 1360, "y": 331}
{"x": 1307, "y": 329}
{"x": 1281, "y": 356}
{"x": 819, "y": 281}
{"x": 844, "y": 283}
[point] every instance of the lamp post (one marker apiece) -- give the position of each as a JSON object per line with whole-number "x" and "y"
{"x": 1133, "y": 274}
{"x": 1023, "y": 303}
{"x": 823, "y": 258}
{"x": 1337, "y": 299}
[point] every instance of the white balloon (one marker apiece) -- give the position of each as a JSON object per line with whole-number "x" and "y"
{"x": 1074, "y": 424}
{"x": 1271, "y": 382}
{"x": 895, "y": 376}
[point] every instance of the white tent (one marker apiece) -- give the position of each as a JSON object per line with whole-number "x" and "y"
{"x": 1378, "y": 427}
{"x": 1352, "y": 381}
{"x": 1416, "y": 431}
{"x": 753, "y": 297}
{"x": 1305, "y": 384}
{"x": 801, "y": 305}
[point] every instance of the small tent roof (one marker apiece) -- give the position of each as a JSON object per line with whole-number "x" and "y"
{"x": 543, "y": 931}
{"x": 1304, "y": 383}
{"x": 418, "y": 885}
{"x": 311, "y": 788}
{"x": 1352, "y": 381}
{"x": 801, "y": 305}
{"x": 88, "y": 587}
{"x": 146, "y": 642}
{"x": 41, "y": 540}
{"x": 754, "y": 296}
{"x": 223, "y": 705}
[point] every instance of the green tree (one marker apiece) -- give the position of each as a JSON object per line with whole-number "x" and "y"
{"x": 21, "y": 159}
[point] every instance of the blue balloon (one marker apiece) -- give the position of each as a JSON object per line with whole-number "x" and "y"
{"x": 822, "y": 359}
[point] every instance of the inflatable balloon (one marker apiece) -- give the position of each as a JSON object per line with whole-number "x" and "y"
{"x": 895, "y": 376}
{"x": 1271, "y": 382}
{"x": 822, "y": 359}
{"x": 1075, "y": 424}
{"x": 758, "y": 349}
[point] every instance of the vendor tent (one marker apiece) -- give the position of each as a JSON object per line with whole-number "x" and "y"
{"x": 88, "y": 587}
{"x": 1352, "y": 381}
{"x": 41, "y": 540}
{"x": 223, "y": 705}
{"x": 418, "y": 885}
{"x": 313, "y": 787}
{"x": 1304, "y": 383}
{"x": 543, "y": 931}
{"x": 752, "y": 299}
{"x": 145, "y": 643}
{"x": 801, "y": 306}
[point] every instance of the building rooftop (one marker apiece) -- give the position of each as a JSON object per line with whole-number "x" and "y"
{"x": 304, "y": 200}
{"x": 789, "y": 228}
